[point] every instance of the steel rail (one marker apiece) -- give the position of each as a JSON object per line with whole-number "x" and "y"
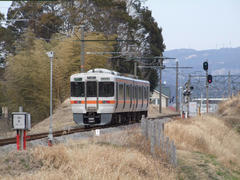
{"x": 31, "y": 137}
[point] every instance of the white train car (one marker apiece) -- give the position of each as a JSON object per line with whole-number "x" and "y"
{"x": 101, "y": 97}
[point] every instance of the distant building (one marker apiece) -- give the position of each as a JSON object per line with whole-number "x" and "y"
{"x": 154, "y": 98}
{"x": 212, "y": 104}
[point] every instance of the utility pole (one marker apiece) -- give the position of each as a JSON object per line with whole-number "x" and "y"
{"x": 132, "y": 55}
{"x": 188, "y": 97}
{"x": 160, "y": 60}
{"x": 177, "y": 107}
{"x": 82, "y": 48}
{"x": 135, "y": 68}
{"x": 207, "y": 89}
{"x": 160, "y": 85}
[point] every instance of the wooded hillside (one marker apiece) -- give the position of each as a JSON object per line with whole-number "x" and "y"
{"x": 55, "y": 26}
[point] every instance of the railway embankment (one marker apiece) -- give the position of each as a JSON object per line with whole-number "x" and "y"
{"x": 207, "y": 148}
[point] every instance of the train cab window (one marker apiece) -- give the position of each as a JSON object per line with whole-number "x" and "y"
{"x": 77, "y": 89}
{"x": 91, "y": 89}
{"x": 106, "y": 89}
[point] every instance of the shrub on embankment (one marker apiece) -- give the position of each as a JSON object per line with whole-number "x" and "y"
{"x": 230, "y": 111}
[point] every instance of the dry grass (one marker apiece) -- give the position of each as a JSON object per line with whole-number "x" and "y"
{"x": 208, "y": 135}
{"x": 115, "y": 156}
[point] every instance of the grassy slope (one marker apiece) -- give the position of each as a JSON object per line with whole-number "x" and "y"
{"x": 207, "y": 148}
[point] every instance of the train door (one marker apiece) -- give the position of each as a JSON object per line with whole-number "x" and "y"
{"x": 91, "y": 96}
{"x": 116, "y": 95}
{"x": 121, "y": 96}
{"x": 136, "y": 96}
{"x": 130, "y": 95}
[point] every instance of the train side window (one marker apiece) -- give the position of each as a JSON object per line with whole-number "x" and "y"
{"x": 145, "y": 92}
{"x": 147, "y": 95}
{"x": 130, "y": 94}
{"x": 121, "y": 91}
{"x": 127, "y": 91}
{"x": 124, "y": 95}
{"x": 116, "y": 94}
{"x": 136, "y": 92}
{"x": 140, "y": 92}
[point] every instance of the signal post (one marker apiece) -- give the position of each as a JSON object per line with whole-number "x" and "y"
{"x": 208, "y": 81}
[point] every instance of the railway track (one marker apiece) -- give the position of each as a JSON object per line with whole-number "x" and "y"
{"x": 70, "y": 131}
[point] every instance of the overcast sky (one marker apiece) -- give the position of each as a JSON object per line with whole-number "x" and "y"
{"x": 196, "y": 24}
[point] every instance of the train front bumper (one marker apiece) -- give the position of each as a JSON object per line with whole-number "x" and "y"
{"x": 92, "y": 118}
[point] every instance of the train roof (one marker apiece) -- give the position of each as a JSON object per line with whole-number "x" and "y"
{"x": 106, "y": 72}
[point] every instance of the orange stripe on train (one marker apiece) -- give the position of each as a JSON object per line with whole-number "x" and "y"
{"x": 94, "y": 102}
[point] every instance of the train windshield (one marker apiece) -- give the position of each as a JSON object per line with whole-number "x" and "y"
{"x": 106, "y": 89}
{"x": 77, "y": 89}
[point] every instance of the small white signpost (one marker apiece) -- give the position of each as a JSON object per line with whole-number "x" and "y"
{"x": 97, "y": 132}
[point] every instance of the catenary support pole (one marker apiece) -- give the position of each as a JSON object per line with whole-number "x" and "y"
{"x": 160, "y": 86}
{"x": 188, "y": 96}
{"x": 177, "y": 104}
{"x": 135, "y": 69}
{"x": 82, "y": 49}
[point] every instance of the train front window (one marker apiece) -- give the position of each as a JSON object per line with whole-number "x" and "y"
{"x": 106, "y": 89}
{"x": 77, "y": 89}
{"x": 91, "y": 89}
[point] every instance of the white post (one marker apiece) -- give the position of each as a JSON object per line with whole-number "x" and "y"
{"x": 153, "y": 137}
{"x": 50, "y": 136}
{"x": 167, "y": 147}
{"x": 143, "y": 126}
{"x": 159, "y": 129}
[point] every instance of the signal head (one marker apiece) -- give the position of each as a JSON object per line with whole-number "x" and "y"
{"x": 209, "y": 79}
{"x": 205, "y": 65}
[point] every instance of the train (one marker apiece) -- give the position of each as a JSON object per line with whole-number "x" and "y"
{"x": 102, "y": 97}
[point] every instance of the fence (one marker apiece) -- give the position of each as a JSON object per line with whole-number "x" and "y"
{"x": 153, "y": 130}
